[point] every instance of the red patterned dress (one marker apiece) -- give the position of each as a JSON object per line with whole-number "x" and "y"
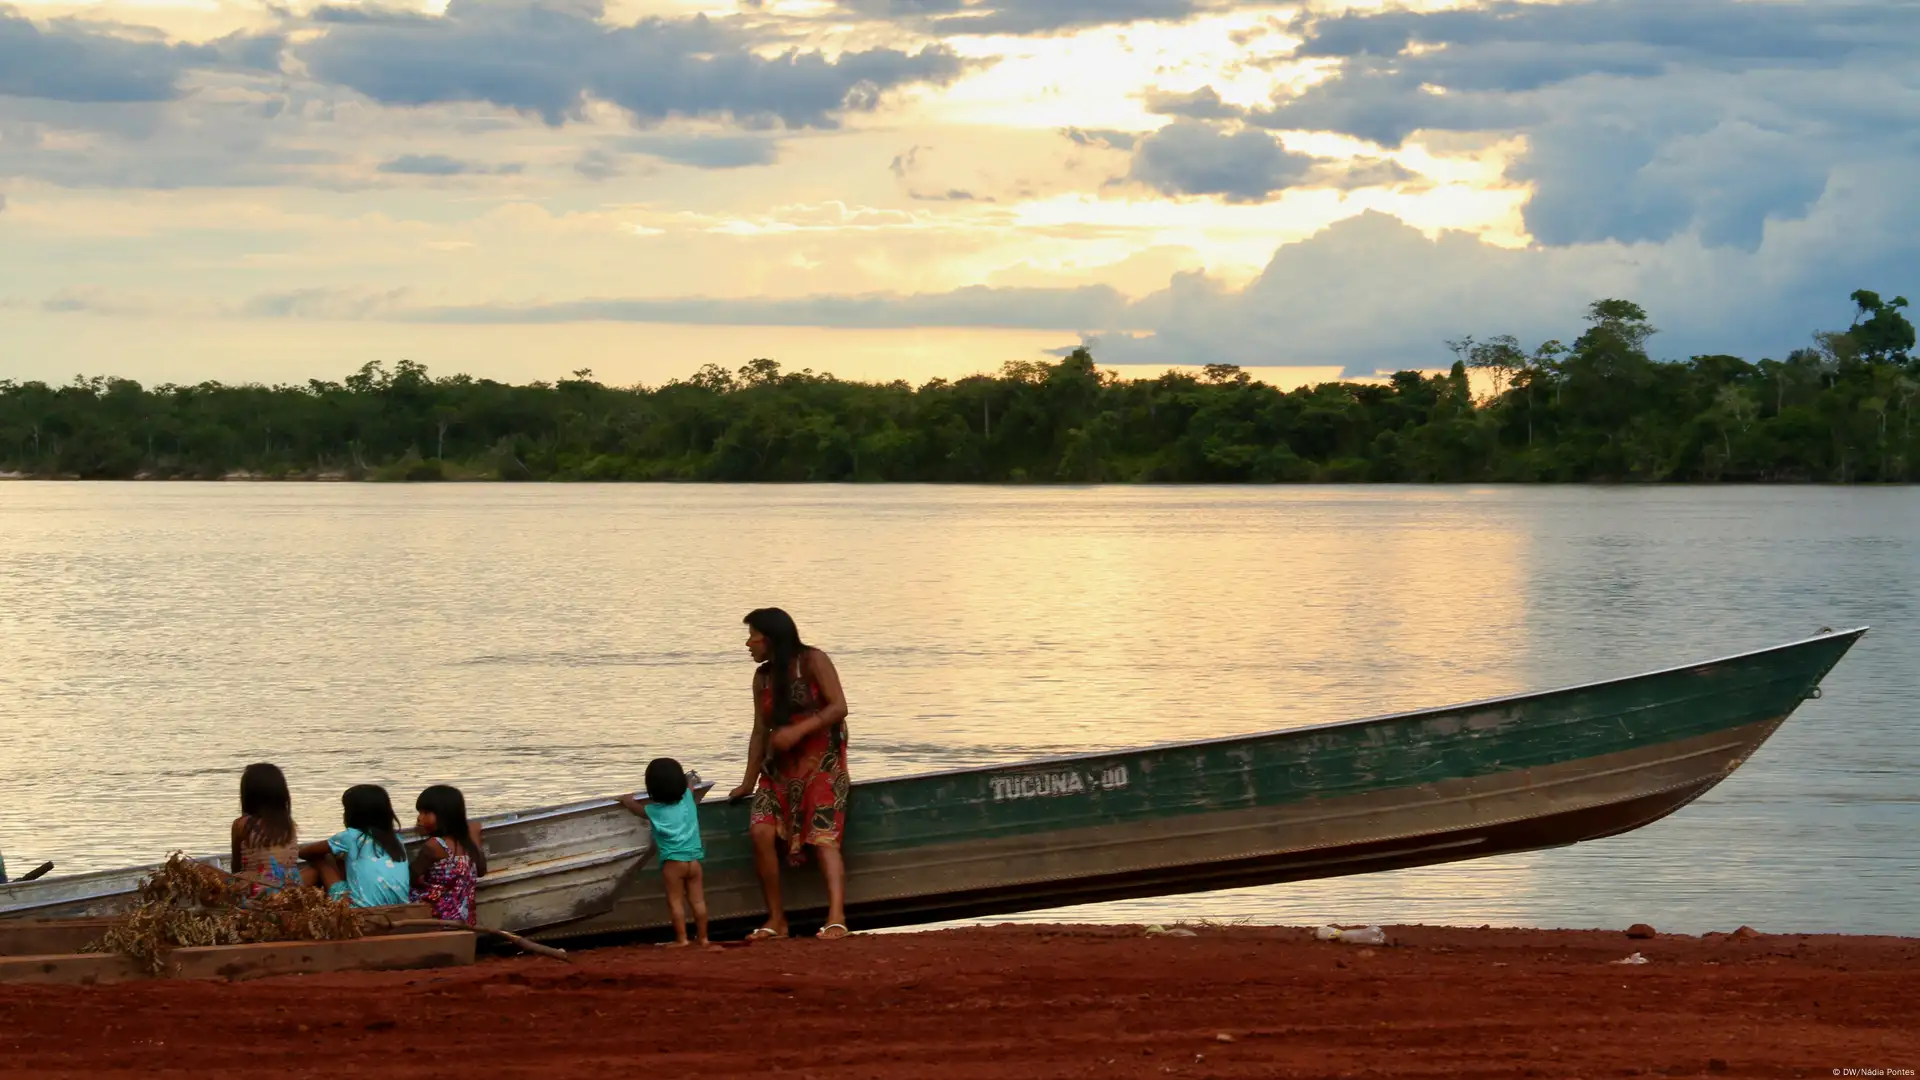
{"x": 802, "y": 792}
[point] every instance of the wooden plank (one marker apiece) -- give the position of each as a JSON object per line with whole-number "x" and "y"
{"x": 71, "y": 969}
{"x": 46, "y": 937}
{"x": 234, "y": 963}
{"x": 394, "y": 952}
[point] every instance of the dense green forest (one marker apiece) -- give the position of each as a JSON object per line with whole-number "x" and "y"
{"x": 1599, "y": 409}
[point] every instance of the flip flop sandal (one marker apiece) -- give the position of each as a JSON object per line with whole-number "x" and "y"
{"x": 826, "y": 936}
{"x": 763, "y": 933}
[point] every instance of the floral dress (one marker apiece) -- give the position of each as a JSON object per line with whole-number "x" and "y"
{"x": 267, "y": 867}
{"x": 802, "y": 792}
{"x": 449, "y": 886}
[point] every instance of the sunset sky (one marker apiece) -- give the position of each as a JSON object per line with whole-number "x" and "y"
{"x": 217, "y": 189}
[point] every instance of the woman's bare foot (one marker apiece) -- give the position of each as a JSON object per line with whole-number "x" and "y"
{"x": 680, "y": 944}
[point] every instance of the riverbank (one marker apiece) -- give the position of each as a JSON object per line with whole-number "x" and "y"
{"x": 1034, "y": 1001}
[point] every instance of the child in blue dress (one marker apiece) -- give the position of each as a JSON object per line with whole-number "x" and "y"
{"x": 366, "y": 861}
{"x": 675, "y": 816}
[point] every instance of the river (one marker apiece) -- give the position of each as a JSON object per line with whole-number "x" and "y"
{"x": 533, "y": 644}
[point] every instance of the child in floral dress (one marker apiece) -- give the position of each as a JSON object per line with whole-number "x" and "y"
{"x": 452, "y": 860}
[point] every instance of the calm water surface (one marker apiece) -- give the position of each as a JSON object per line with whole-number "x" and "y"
{"x": 534, "y": 644}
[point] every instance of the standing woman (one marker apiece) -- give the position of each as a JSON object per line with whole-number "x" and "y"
{"x": 796, "y": 766}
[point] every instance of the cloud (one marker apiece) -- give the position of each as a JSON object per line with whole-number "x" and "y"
{"x": 967, "y": 17}
{"x": 1188, "y": 157}
{"x": 95, "y": 300}
{"x": 1373, "y": 293}
{"x": 366, "y": 15}
{"x": 1644, "y": 119}
{"x": 1101, "y": 138}
{"x": 949, "y": 195}
{"x": 1084, "y": 307}
{"x": 549, "y": 60}
{"x": 1201, "y": 104}
{"x": 442, "y": 165}
{"x": 1352, "y": 176}
{"x": 706, "y": 151}
{"x": 71, "y": 61}
{"x": 322, "y": 303}
{"x": 598, "y": 163}
{"x": 212, "y": 143}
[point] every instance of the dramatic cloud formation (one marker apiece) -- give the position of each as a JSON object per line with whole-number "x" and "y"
{"x": 549, "y": 60}
{"x": 1645, "y": 119}
{"x": 71, "y": 61}
{"x": 1372, "y": 293}
{"x": 1188, "y": 157}
{"x": 1178, "y": 181}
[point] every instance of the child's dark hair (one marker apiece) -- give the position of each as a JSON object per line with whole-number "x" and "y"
{"x": 666, "y": 781}
{"x": 265, "y": 799}
{"x": 449, "y": 810}
{"x": 370, "y": 810}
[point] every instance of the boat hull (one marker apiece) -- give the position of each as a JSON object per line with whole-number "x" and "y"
{"x": 1512, "y": 774}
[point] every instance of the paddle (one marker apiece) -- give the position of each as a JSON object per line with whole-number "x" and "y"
{"x": 37, "y": 872}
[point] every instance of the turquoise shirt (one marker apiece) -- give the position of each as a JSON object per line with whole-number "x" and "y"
{"x": 676, "y": 830}
{"x": 374, "y": 879}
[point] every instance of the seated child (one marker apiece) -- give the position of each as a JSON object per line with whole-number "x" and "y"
{"x": 451, "y": 859}
{"x": 675, "y": 816}
{"x": 265, "y": 842}
{"x": 366, "y": 862}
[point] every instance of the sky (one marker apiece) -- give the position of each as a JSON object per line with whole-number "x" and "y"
{"x": 519, "y": 189}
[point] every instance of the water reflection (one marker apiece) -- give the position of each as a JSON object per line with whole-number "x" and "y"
{"x": 537, "y": 644}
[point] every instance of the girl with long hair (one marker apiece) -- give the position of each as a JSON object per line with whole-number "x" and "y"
{"x": 451, "y": 861}
{"x": 796, "y": 766}
{"x": 365, "y": 862}
{"x": 266, "y": 847}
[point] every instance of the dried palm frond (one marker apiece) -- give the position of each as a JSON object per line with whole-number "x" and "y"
{"x": 189, "y": 903}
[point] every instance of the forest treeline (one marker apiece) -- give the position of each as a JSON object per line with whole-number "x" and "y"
{"x": 1598, "y": 409}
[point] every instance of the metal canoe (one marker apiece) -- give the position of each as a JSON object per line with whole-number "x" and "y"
{"x": 1508, "y": 774}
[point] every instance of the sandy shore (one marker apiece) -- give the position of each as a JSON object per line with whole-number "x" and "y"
{"x": 1033, "y": 1002}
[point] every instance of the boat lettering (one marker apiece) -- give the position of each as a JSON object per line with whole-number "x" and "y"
{"x": 1049, "y": 785}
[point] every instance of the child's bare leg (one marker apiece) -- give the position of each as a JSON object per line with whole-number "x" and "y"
{"x": 330, "y": 869}
{"x": 675, "y": 874}
{"x": 322, "y": 872}
{"x": 697, "y": 898}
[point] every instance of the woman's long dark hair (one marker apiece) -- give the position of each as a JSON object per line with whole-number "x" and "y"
{"x": 783, "y": 638}
{"x": 449, "y": 810}
{"x": 369, "y": 809}
{"x": 265, "y": 799}
{"x": 666, "y": 781}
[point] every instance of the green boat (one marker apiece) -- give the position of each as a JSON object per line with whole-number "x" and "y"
{"x": 1492, "y": 777}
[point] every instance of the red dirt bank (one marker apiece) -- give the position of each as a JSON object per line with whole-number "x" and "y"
{"x": 1031, "y": 1002}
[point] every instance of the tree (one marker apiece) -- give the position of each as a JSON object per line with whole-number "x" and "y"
{"x": 1222, "y": 374}
{"x": 1880, "y": 333}
{"x": 1500, "y": 357}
